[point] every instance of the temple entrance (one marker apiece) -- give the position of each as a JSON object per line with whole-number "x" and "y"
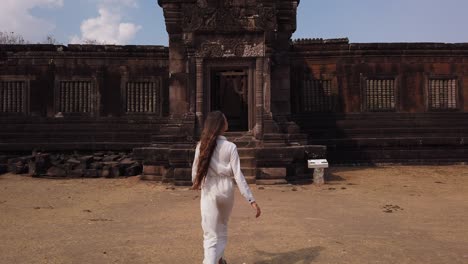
{"x": 229, "y": 94}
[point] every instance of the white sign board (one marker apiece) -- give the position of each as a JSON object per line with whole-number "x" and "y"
{"x": 317, "y": 163}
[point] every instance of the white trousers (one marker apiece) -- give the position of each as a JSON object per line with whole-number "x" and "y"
{"x": 217, "y": 200}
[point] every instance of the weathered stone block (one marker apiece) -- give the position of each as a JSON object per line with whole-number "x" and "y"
{"x": 105, "y": 172}
{"x": 96, "y": 165}
{"x": 116, "y": 172}
{"x": 133, "y": 170}
{"x": 3, "y": 168}
{"x": 111, "y": 158}
{"x": 152, "y": 155}
{"x": 91, "y": 173}
{"x": 56, "y": 172}
{"x": 76, "y": 173}
{"x": 39, "y": 164}
{"x": 153, "y": 170}
{"x": 272, "y": 173}
{"x": 183, "y": 174}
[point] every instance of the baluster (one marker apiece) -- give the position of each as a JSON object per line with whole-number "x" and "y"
{"x": 21, "y": 98}
{"x": 2, "y": 97}
{"x": 454, "y": 93}
{"x": 87, "y": 94}
{"x": 75, "y": 96}
{"x": 70, "y": 96}
{"x": 137, "y": 97}
{"x": 67, "y": 96}
{"x": 383, "y": 96}
{"x": 142, "y": 97}
{"x": 7, "y": 108}
{"x": 157, "y": 97}
{"x": 18, "y": 95}
{"x": 380, "y": 89}
{"x": 86, "y": 97}
{"x": 65, "y": 89}
{"x": 145, "y": 97}
{"x": 139, "y": 100}
{"x": 132, "y": 96}
{"x": 15, "y": 97}
{"x": 151, "y": 98}
{"x": 80, "y": 96}
{"x": 7, "y": 94}
{"x": 368, "y": 94}
{"x": 127, "y": 97}
{"x": 433, "y": 93}
{"x": 90, "y": 88}
{"x": 385, "y": 91}
{"x": 60, "y": 97}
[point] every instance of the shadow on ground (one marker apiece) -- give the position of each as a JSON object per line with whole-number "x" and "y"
{"x": 332, "y": 177}
{"x": 305, "y": 255}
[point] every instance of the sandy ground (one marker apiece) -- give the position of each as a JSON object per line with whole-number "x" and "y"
{"x": 363, "y": 215}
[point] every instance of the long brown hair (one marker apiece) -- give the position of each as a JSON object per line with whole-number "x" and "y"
{"x": 213, "y": 127}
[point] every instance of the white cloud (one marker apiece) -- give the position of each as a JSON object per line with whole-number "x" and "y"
{"x": 15, "y": 16}
{"x": 108, "y": 27}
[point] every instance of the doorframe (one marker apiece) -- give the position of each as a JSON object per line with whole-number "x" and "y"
{"x": 231, "y": 64}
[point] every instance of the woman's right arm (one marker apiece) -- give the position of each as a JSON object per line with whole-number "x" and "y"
{"x": 241, "y": 182}
{"x": 239, "y": 176}
{"x": 195, "y": 163}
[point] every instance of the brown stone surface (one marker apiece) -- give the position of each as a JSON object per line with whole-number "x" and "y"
{"x": 383, "y": 215}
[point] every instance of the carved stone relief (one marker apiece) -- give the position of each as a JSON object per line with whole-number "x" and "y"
{"x": 231, "y": 48}
{"x": 202, "y": 17}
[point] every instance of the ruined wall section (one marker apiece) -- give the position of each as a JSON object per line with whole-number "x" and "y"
{"x": 382, "y": 102}
{"x": 81, "y": 96}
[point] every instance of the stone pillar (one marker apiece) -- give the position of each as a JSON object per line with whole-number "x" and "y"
{"x": 269, "y": 125}
{"x": 178, "y": 94}
{"x": 199, "y": 94}
{"x": 258, "y": 129}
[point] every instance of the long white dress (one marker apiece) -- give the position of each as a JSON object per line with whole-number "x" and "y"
{"x": 217, "y": 196}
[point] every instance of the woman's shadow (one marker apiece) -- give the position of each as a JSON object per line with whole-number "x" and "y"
{"x": 303, "y": 256}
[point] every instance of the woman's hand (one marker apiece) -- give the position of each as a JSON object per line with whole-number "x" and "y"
{"x": 257, "y": 208}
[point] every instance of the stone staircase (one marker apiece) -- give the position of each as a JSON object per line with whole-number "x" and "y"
{"x": 278, "y": 160}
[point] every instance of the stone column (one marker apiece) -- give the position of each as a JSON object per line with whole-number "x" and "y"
{"x": 199, "y": 93}
{"x": 269, "y": 125}
{"x": 178, "y": 94}
{"x": 258, "y": 129}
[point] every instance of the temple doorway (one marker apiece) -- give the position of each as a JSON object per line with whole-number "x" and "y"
{"x": 229, "y": 94}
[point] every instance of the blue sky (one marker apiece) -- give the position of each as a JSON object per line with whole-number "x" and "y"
{"x": 141, "y": 21}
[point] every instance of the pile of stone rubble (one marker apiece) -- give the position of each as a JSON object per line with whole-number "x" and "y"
{"x": 57, "y": 165}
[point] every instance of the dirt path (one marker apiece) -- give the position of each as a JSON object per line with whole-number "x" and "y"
{"x": 364, "y": 215}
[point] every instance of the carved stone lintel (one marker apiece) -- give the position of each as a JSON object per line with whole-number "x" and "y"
{"x": 231, "y": 48}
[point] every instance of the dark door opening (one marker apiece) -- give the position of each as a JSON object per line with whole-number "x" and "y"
{"x": 229, "y": 94}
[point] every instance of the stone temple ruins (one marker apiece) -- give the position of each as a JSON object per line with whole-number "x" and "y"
{"x": 286, "y": 100}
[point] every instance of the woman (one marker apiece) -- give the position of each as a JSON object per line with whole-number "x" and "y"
{"x": 216, "y": 162}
